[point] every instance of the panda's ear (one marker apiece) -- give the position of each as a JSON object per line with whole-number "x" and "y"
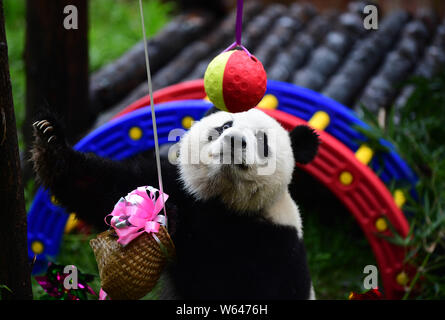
{"x": 211, "y": 111}
{"x": 305, "y": 143}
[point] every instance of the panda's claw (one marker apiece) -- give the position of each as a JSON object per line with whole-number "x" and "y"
{"x": 52, "y": 138}
{"x": 48, "y": 129}
{"x": 40, "y": 124}
{"x": 47, "y": 132}
{"x": 43, "y": 124}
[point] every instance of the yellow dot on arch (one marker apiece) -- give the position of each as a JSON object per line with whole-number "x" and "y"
{"x": 399, "y": 198}
{"x": 381, "y": 224}
{"x": 71, "y": 223}
{"x": 54, "y": 201}
{"x": 364, "y": 154}
{"x": 402, "y": 278}
{"x": 346, "y": 178}
{"x": 37, "y": 247}
{"x": 135, "y": 133}
{"x": 269, "y": 101}
{"x": 320, "y": 120}
{"x": 187, "y": 122}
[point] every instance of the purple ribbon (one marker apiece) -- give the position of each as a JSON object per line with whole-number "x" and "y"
{"x": 239, "y": 21}
{"x": 239, "y": 28}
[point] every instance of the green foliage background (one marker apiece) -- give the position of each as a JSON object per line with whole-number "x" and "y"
{"x": 417, "y": 131}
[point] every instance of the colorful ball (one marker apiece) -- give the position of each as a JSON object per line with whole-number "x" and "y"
{"x": 234, "y": 81}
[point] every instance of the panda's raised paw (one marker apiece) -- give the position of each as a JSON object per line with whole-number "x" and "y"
{"x": 49, "y": 150}
{"x": 44, "y": 130}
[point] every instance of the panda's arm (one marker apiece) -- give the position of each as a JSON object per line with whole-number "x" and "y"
{"x": 85, "y": 183}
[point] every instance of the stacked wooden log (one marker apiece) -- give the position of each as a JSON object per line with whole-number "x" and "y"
{"x": 364, "y": 59}
{"x": 433, "y": 61}
{"x": 116, "y": 80}
{"x": 330, "y": 52}
{"x": 382, "y": 89}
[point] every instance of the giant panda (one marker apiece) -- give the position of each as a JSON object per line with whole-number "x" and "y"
{"x": 238, "y": 233}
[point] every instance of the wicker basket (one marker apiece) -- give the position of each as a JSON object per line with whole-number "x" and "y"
{"x": 132, "y": 271}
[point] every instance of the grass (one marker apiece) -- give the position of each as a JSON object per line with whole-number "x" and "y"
{"x": 336, "y": 248}
{"x": 418, "y": 136}
{"x": 337, "y": 254}
{"x": 75, "y": 250}
{"x": 114, "y": 30}
{"x": 15, "y": 33}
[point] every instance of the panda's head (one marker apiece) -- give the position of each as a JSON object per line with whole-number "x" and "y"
{"x": 245, "y": 159}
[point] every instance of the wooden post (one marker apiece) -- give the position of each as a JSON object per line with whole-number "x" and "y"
{"x": 57, "y": 64}
{"x": 14, "y": 265}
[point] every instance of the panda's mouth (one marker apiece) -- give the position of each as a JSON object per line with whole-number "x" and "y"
{"x": 241, "y": 166}
{"x": 229, "y": 160}
{"x": 230, "y": 169}
{"x": 236, "y": 166}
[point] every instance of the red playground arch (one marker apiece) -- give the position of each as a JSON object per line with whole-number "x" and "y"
{"x": 365, "y": 196}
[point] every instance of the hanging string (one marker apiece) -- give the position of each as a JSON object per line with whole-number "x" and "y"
{"x": 239, "y": 21}
{"x": 153, "y": 116}
{"x": 238, "y": 28}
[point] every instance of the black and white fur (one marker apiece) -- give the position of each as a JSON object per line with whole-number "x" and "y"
{"x": 238, "y": 233}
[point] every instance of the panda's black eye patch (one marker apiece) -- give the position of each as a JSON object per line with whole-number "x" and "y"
{"x": 225, "y": 126}
{"x": 219, "y": 130}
